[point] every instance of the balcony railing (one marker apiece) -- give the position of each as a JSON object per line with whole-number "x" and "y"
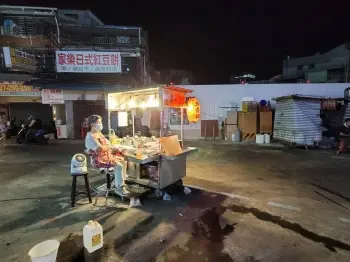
{"x": 24, "y": 42}
{"x": 99, "y": 41}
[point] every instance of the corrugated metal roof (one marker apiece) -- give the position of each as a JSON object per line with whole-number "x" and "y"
{"x": 296, "y": 96}
{"x": 107, "y": 27}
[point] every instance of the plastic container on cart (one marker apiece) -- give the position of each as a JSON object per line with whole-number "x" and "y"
{"x": 112, "y": 137}
{"x": 139, "y": 153}
{"x": 93, "y": 236}
{"x": 45, "y": 251}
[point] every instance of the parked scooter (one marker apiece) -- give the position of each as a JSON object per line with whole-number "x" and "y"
{"x": 39, "y": 137}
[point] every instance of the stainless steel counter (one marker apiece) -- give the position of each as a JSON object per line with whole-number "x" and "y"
{"x": 170, "y": 168}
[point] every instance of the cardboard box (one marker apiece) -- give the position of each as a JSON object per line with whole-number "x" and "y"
{"x": 248, "y": 122}
{"x": 240, "y": 120}
{"x": 231, "y": 128}
{"x": 265, "y": 122}
{"x": 232, "y": 118}
{"x": 171, "y": 145}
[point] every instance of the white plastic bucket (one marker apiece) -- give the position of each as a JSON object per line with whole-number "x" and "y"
{"x": 45, "y": 251}
{"x": 267, "y": 138}
{"x": 237, "y": 136}
{"x": 233, "y": 138}
{"x": 259, "y": 139}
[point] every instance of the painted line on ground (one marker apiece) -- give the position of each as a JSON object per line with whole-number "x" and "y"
{"x": 346, "y": 220}
{"x": 284, "y": 206}
{"x": 222, "y": 193}
{"x": 338, "y": 157}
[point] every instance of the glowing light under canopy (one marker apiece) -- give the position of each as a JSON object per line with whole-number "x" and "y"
{"x": 123, "y": 118}
{"x": 132, "y": 103}
{"x": 143, "y": 104}
{"x": 122, "y": 102}
{"x": 193, "y": 110}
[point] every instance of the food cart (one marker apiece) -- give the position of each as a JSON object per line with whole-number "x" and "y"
{"x": 161, "y": 169}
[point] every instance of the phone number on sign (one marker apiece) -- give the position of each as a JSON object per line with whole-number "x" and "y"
{"x": 15, "y": 88}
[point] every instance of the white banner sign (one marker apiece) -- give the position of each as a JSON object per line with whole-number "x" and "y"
{"x": 52, "y": 96}
{"x": 88, "y": 62}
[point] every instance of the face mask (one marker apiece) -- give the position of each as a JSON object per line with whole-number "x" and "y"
{"x": 98, "y": 127}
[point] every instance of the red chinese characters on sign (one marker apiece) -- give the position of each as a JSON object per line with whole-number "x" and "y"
{"x": 97, "y": 59}
{"x": 106, "y": 59}
{"x": 87, "y": 59}
{"x": 52, "y": 96}
{"x": 71, "y": 59}
{"x": 62, "y": 59}
{"x": 114, "y": 60}
{"x": 80, "y": 59}
{"x": 74, "y": 61}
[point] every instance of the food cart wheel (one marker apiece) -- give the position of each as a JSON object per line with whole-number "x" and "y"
{"x": 179, "y": 183}
{"x": 159, "y": 194}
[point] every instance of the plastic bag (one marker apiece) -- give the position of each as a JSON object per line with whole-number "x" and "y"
{"x": 135, "y": 202}
{"x": 166, "y": 197}
{"x": 187, "y": 190}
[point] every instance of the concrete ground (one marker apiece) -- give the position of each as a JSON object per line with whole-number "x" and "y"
{"x": 248, "y": 203}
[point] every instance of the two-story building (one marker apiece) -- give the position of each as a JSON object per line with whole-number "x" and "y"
{"x": 73, "y": 54}
{"x": 332, "y": 66}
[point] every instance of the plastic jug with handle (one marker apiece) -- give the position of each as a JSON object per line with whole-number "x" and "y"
{"x": 93, "y": 236}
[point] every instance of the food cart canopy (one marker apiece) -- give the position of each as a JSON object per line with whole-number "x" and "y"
{"x": 148, "y": 97}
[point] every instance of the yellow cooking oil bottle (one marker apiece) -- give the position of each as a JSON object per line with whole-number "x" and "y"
{"x": 93, "y": 236}
{"x": 113, "y": 138}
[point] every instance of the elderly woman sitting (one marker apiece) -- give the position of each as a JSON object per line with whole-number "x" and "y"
{"x": 103, "y": 156}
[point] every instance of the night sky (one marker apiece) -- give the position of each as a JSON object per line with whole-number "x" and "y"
{"x": 215, "y": 39}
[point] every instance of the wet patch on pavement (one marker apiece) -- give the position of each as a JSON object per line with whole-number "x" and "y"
{"x": 203, "y": 220}
{"x": 71, "y": 249}
{"x": 207, "y": 241}
{"x": 329, "y": 243}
